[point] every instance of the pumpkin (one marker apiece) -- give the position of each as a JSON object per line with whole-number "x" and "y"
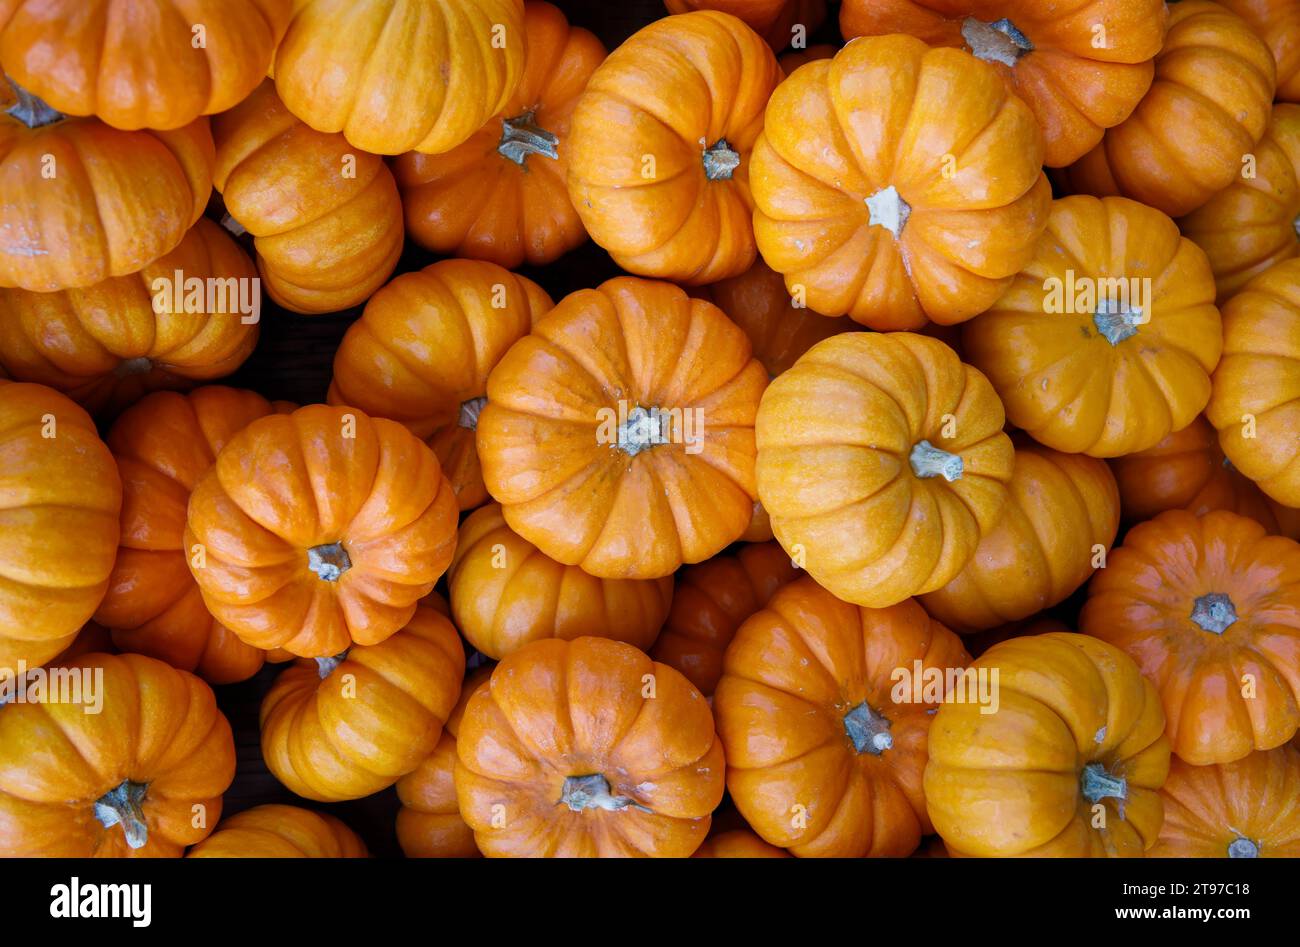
{"x": 587, "y": 748}
{"x": 775, "y": 20}
{"x": 1206, "y": 109}
{"x": 659, "y": 147}
{"x": 350, "y": 725}
{"x": 326, "y": 218}
{"x": 505, "y": 593}
{"x": 59, "y": 522}
{"x": 1209, "y": 608}
{"x": 1251, "y": 224}
{"x": 277, "y": 831}
{"x": 148, "y": 64}
{"x": 418, "y": 75}
{"x": 618, "y": 434}
{"x": 738, "y": 843}
{"x": 792, "y": 60}
{"x": 1077, "y": 79}
{"x": 109, "y": 344}
{"x": 1070, "y": 763}
{"x": 1104, "y": 345}
{"x": 882, "y": 464}
{"x": 163, "y": 446}
{"x": 429, "y": 823}
{"x": 898, "y": 184}
{"x": 422, "y": 351}
{"x": 142, "y": 777}
{"x": 711, "y": 601}
{"x": 501, "y": 196}
{"x": 1277, "y": 23}
{"x": 1254, "y": 406}
{"x": 1246, "y": 809}
{"x": 825, "y": 743}
{"x": 1060, "y": 520}
{"x": 319, "y": 529}
{"x": 85, "y": 202}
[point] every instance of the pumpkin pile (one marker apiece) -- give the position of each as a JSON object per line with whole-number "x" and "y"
{"x": 926, "y": 481}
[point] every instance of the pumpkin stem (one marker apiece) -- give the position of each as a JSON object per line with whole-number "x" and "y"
{"x": 1243, "y": 848}
{"x": 929, "y": 461}
{"x": 32, "y": 111}
{"x": 886, "y": 208}
{"x": 327, "y": 666}
{"x": 329, "y": 561}
{"x": 995, "y": 42}
{"x": 1097, "y": 784}
{"x": 642, "y": 430}
{"x": 592, "y": 792}
{"x": 1116, "y": 323}
{"x": 868, "y": 730}
{"x": 123, "y": 806}
{"x": 720, "y": 161}
{"x": 521, "y": 137}
{"x": 1214, "y": 612}
{"x": 469, "y": 412}
{"x": 233, "y": 226}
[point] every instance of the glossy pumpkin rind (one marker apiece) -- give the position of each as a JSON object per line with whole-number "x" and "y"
{"x": 1277, "y": 23}
{"x": 774, "y": 20}
{"x": 278, "y": 831}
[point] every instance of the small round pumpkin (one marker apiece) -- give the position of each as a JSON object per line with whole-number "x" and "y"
{"x": 738, "y": 843}
{"x": 1105, "y": 343}
{"x": 1277, "y": 23}
{"x": 319, "y": 529}
{"x": 898, "y": 184}
{"x": 1209, "y": 608}
{"x": 351, "y": 725}
{"x": 774, "y": 20}
{"x": 882, "y": 464}
{"x": 825, "y": 744}
{"x": 277, "y": 831}
{"x": 587, "y": 748}
{"x": 142, "y": 777}
{"x": 659, "y": 149}
{"x": 1069, "y": 764}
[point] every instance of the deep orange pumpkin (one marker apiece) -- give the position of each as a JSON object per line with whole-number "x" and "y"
{"x": 774, "y": 20}
{"x": 738, "y": 843}
{"x": 276, "y": 831}
{"x": 1277, "y": 23}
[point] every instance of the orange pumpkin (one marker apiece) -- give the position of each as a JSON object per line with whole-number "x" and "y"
{"x": 1104, "y": 345}
{"x": 1277, "y": 23}
{"x": 587, "y": 748}
{"x": 1209, "y": 608}
{"x": 108, "y": 345}
{"x": 326, "y": 218}
{"x": 774, "y": 20}
{"x": 141, "y": 777}
{"x": 738, "y": 843}
{"x": 1206, "y": 109}
{"x": 882, "y": 463}
{"x": 792, "y": 60}
{"x": 659, "y": 149}
{"x": 1078, "y": 80}
{"x": 276, "y": 831}
{"x": 1061, "y": 518}
{"x": 618, "y": 434}
{"x": 351, "y": 725}
{"x": 501, "y": 196}
{"x": 319, "y": 529}
{"x": 1246, "y": 809}
{"x": 825, "y": 744}
{"x": 506, "y": 593}
{"x": 855, "y": 202}
{"x": 85, "y": 202}
{"x": 422, "y": 351}
{"x": 59, "y": 522}
{"x": 1068, "y": 764}
{"x": 711, "y": 601}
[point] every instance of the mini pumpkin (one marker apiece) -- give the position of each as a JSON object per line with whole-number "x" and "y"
{"x": 1068, "y": 764}
{"x": 1277, "y": 23}
{"x": 774, "y": 20}
{"x": 1209, "y": 608}
{"x": 738, "y": 843}
{"x": 618, "y": 434}
{"x": 319, "y": 529}
{"x": 587, "y": 748}
{"x": 277, "y": 831}
{"x": 659, "y": 149}
{"x": 898, "y": 184}
{"x": 1105, "y": 343}
{"x": 825, "y": 745}
{"x": 882, "y": 464}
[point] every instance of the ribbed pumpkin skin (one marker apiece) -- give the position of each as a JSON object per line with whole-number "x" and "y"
{"x": 59, "y": 526}
{"x": 276, "y": 831}
{"x": 795, "y": 676}
{"x": 711, "y": 600}
{"x": 1044, "y": 546}
{"x": 1230, "y": 681}
{"x": 408, "y": 75}
{"x": 505, "y": 593}
{"x": 326, "y": 217}
{"x": 1277, "y": 23}
{"x": 738, "y": 843}
{"x": 774, "y": 20}
{"x": 370, "y": 719}
{"x": 105, "y": 346}
{"x": 1011, "y": 783}
{"x": 1246, "y": 809}
{"x": 158, "y": 726}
